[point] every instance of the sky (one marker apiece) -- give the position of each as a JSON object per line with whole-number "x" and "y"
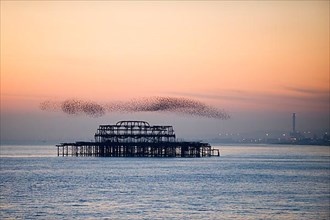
{"x": 259, "y": 61}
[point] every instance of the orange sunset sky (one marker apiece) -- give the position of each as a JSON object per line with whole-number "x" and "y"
{"x": 246, "y": 57}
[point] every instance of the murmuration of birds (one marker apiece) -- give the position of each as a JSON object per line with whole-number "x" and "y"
{"x": 182, "y": 106}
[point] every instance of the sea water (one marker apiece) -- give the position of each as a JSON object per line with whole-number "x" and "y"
{"x": 246, "y": 182}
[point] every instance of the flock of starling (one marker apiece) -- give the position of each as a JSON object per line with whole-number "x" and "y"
{"x": 183, "y": 106}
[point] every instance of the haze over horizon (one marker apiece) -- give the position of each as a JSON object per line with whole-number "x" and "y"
{"x": 259, "y": 61}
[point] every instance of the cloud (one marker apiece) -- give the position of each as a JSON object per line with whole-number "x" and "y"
{"x": 303, "y": 99}
{"x": 308, "y": 91}
{"x": 236, "y": 95}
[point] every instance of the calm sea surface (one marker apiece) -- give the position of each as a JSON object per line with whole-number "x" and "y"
{"x": 246, "y": 182}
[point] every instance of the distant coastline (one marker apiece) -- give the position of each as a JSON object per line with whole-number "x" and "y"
{"x": 325, "y": 141}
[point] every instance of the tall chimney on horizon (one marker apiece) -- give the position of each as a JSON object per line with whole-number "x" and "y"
{"x": 294, "y": 123}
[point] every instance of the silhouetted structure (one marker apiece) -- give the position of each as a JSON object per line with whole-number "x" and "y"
{"x": 296, "y": 136}
{"x": 293, "y": 123}
{"x": 136, "y": 139}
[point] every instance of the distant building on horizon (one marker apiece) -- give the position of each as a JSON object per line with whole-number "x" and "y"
{"x": 295, "y": 135}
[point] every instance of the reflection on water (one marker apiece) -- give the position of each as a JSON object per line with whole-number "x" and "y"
{"x": 246, "y": 182}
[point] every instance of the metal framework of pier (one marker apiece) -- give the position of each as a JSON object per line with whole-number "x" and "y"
{"x": 136, "y": 139}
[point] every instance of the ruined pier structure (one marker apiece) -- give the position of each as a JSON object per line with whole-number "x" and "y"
{"x": 136, "y": 139}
